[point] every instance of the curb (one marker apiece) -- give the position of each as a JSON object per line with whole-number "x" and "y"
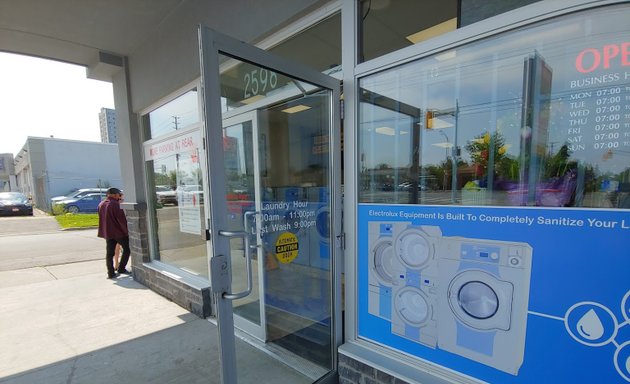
{"x": 76, "y": 228}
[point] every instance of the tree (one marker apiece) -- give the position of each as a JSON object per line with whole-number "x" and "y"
{"x": 480, "y": 151}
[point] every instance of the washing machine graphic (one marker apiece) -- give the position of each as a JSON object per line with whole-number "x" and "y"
{"x": 384, "y": 269}
{"x": 483, "y": 298}
{"x": 414, "y": 291}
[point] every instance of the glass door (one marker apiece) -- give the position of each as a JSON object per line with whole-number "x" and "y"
{"x": 242, "y": 172}
{"x": 274, "y": 218}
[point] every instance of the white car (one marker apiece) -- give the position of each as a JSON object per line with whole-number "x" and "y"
{"x": 78, "y": 194}
{"x": 165, "y": 195}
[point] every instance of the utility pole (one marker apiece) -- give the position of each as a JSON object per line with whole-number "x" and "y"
{"x": 176, "y": 122}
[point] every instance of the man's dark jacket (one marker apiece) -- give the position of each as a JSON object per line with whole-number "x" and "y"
{"x": 112, "y": 222}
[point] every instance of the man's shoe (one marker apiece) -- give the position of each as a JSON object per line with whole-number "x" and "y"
{"x": 115, "y": 275}
{"x": 124, "y": 272}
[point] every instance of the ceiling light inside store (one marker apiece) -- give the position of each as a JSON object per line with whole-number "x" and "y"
{"x": 446, "y": 55}
{"x": 297, "y": 108}
{"x": 389, "y": 131}
{"x": 253, "y": 99}
{"x": 436, "y": 30}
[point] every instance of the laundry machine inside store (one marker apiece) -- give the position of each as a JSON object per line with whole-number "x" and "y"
{"x": 414, "y": 290}
{"x": 319, "y": 212}
{"x": 483, "y": 298}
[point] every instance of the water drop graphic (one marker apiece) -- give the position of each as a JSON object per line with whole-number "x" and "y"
{"x": 590, "y": 326}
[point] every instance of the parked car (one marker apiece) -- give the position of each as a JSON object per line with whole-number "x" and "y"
{"x": 15, "y": 203}
{"x": 84, "y": 204}
{"x": 79, "y": 193}
{"x": 386, "y": 187}
{"x": 165, "y": 195}
{"x": 65, "y": 195}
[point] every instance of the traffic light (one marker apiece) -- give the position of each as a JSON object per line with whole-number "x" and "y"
{"x": 607, "y": 155}
{"x": 428, "y": 120}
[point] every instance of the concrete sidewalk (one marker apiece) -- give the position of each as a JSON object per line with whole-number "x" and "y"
{"x": 69, "y": 324}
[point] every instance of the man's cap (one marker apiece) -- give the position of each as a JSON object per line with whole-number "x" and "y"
{"x": 113, "y": 191}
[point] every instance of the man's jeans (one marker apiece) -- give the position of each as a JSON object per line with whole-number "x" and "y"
{"x": 109, "y": 254}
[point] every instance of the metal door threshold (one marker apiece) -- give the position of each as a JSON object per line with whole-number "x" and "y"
{"x": 303, "y": 366}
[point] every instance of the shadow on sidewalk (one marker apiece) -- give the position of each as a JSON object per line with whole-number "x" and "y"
{"x": 185, "y": 353}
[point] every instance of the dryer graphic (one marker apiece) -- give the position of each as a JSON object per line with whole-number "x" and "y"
{"x": 414, "y": 292}
{"x": 384, "y": 269}
{"x": 483, "y": 299}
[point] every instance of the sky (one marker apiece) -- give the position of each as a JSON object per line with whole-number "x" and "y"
{"x": 44, "y": 98}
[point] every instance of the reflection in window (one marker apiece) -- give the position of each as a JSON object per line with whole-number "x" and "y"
{"x": 173, "y": 159}
{"x": 177, "y": 114}
{"x": 324, "y": 45}
{"x": 476, "y": 10}
{"x": 176, "y": 183}
{"x": 389, "y": 25}
{"x": 245, "y": 83}
{"x": 533, "y": 117}
{"x": 288, "y": 181}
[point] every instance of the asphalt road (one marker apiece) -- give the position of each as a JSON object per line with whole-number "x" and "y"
{"x": 35, "y": 241}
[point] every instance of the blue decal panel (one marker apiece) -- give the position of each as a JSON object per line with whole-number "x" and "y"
{"x": 505, "y": 295}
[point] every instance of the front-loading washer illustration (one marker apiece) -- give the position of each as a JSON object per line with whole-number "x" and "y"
{"x": 414, "y": 295}
{"x": 384, "y": 269}
{"x": 483, "y": 300}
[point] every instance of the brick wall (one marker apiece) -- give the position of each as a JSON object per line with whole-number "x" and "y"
{"x": 197, "y": 301}
{"x": 355, "y": 372}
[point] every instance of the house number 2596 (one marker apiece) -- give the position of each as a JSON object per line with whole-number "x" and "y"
{"x": 258, "y": 81}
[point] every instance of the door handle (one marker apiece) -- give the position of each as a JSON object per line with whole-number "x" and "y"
{"x": 249, "y": 228}
{"x": 248, "y": 264}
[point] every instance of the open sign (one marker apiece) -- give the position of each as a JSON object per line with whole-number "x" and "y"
{"x": 591, "y": 59}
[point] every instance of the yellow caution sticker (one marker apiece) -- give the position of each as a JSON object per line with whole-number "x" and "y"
{"x": 286, "y": 247}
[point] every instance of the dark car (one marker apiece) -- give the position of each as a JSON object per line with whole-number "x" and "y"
{"x": 85, "y": 204}
{"x": 15, "y": 203}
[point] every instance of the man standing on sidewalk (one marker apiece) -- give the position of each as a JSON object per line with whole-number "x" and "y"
{"x": 112, "y": 226}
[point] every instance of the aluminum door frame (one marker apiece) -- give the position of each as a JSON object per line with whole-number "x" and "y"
{"x": 258, "y": 331}
{"x": 211, "y": 45}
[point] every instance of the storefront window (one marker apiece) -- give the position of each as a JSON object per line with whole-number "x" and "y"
{"x": 175, "y": 185}
{"x": 244, "y": 84}
{"x": 388, "y": 25}
{"x": 473, "y": 251}
{"x": 322, "y": 42}
{"x": 534, "y": 117}
{"x": 472, "y": 11}
{"x": 175, "y": 115}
